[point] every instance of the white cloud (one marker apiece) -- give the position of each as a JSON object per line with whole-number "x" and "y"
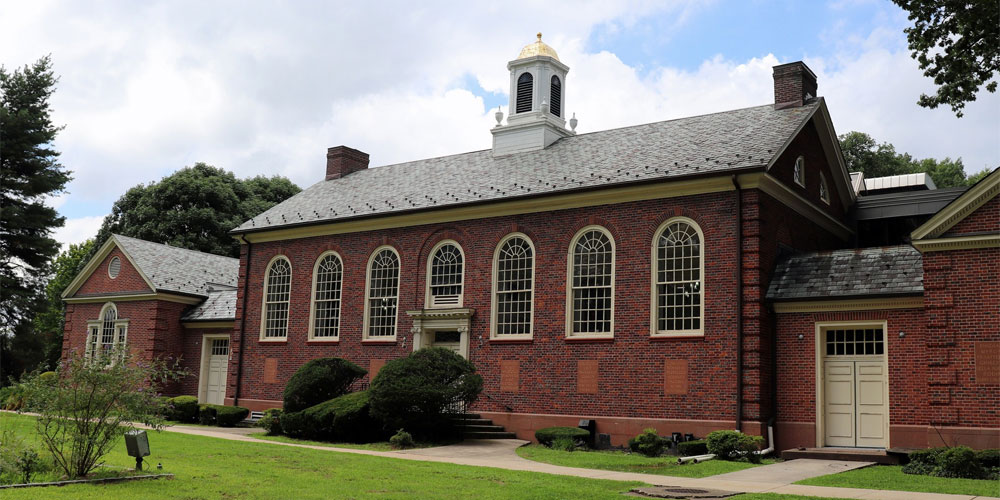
{"x": 77, "y": 230}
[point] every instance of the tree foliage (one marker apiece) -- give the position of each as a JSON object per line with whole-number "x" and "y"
{"x": 863, "y": 154}
{"x": 29, "y": 172}
{"x": 956, "y": 44}
{"x": 194, "y": 208}
{"x": 48, "y": 323}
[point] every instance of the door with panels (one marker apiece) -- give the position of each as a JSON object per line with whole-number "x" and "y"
{"x": 854, "y": 386}
{"x": 215, "y": 367}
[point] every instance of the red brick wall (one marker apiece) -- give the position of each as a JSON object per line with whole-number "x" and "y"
{"x": 191, "y": 355}
{"x": 985, "y": 218}
{"x": 808, "y": 145}
{"x": 99, "y": 282}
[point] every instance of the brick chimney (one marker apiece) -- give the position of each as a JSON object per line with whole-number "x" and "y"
{"x": 794, "y": 83}
{"x": 342, "y": 160}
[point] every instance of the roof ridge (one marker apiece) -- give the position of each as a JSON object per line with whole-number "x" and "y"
{"x": 175, "y": 248}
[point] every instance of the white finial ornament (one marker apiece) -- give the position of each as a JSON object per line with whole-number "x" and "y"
{"x": 545, "y": 106}
{"x": 498, "y": 115}
{"x": 572, "y": 122}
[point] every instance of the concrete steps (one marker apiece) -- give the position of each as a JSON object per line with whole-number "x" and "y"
{"x": 848, "y": 454}
{"x": 473, "y": 426}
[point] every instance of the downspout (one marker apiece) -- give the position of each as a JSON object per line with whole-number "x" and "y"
{"x": 739, "y": 304}
{"x": 243, "y": 322}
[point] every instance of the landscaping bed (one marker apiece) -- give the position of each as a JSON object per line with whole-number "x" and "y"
{"x": 631, "y": 462}
{"x": 891, "y": 477}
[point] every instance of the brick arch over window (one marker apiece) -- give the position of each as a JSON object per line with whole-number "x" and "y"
{"x": 275, "y": 299}
{"x": 678, "y": 268}
{"x": 513, "y": 286}
{"x": 590, "y": 283}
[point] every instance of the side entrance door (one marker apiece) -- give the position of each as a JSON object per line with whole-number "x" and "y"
{"x": 855, "y": 406}
{"x": 217, "y": 366}
{"x": 448, "y": 339}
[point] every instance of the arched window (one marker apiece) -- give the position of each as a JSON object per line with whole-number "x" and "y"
{"x": 824, "y": 190}
{"x": 513, "y": 287}
{"x": 591, "y": 283}
{"x": 555, "y": 97}
{"x": 327, "y": 282}
{"x": 446, "y": 275}
{"x": 277, "y": 295}
{"x": 525, "y": 84}
{"x": 678, "y": 295}
{"x": 799, "y": 172}
{"x": 382, "y": 295}
{"x": 107, "y": 333}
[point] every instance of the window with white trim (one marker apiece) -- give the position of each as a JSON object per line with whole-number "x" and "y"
{"x": 513, "y": 287}
{"x": 327, "y": 284}
{"x": 799, "y": 171}
{"x": 446, "y": 275}
{"x": 677, "y": 282}
{"x": 277, "y": 295}
{"x": 106, "y": 334}
{"x": 114, "y": 267}
{"x": 824, "y": 190}
{"x": 382, "y": 295}
{"x": 591, "y": 283}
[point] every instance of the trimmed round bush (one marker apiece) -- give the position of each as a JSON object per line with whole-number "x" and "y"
{"x": 343, "y": 419}
{"x": 320, "y": 380}
{"x": 206, "y": 414}
{"x": 649, "y": 443}
{"x": 295, "y": 424}
{"x": 417, "y": 392}
{"x": 401, "y": 440}
{"x": 549, "y": 435}
{"x": 182, "y": 409}
{"x": 229, "y": 416}
{"x": 959, "y": 461}
{"x": 271, "y": 421}
{"x": 692, "y": 448}
{"x": 732, "y": 445}
{"x": 989, "y": 458}
{"x": 50, "y": 378}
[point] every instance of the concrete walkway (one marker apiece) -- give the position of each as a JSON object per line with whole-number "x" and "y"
{"x": 776, "y": 478}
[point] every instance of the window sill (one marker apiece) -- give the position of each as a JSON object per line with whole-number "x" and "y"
{"x": 515, "y": 340}
{"x": 378, "y": 341}
{"x": 334, "y": 340}
{"x": 666, "y": 337}
{"x": 283, "y": 340}
{"x": 594, "y": 338}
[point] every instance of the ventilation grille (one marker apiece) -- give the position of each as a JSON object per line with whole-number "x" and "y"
{"x": 445, "y": 300}
{"x": 255, "y": 416}
{"x": 524, "y": 84}
{"x": 114, "y": 267}
{"x": 555, "y": 100}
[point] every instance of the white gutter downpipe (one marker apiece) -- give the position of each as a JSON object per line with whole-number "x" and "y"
{"x": 770, "y": 443}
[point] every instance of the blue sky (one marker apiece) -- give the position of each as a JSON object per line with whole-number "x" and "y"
{"x": 262, "y": 88}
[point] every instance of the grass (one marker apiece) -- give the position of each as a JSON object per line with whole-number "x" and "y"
{"x": 379, "y": 446}
{"x": 619, "y": 461}
{"x": 206, "y": 467}
{"x": 891, "y": 477}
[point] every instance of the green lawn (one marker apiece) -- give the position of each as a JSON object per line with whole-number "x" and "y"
{"x": 380, "y": 446}
{"x": 216, "y": 468}
{"x": 619, "y": 461}
{"x": 891, "y": 477}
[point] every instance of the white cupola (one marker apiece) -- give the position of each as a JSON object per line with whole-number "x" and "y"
{"x": 537, "y": 102}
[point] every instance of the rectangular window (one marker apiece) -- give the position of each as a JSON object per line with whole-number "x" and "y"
{"x": 854, "y": 342}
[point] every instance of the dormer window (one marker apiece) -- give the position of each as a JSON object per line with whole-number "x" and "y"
{"x": 824, "y": 190}
{"x": 525, "y": 84}
{"x": 798, "y": 174}
{"x": 555, "y": 99}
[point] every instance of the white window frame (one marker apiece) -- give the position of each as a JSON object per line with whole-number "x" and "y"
{"x": 95, "y": 331}
{"x": 112, "y": 261}
{"x": 569, "y": 285}
{"x": 428, "y": 296}
{"x": 368, "y": 272}
{"x": 824, "y": 188}
{"x": 495, "y": 303}
{"x": 312, "y": 299}
{"x": 263, "y": 299}
{"x": 654, "y": 271}
{"x": 800, "y": 168}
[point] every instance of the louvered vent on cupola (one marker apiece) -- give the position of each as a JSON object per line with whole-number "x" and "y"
{"x": 555, "y": 100}
{"x": 524, "y": 87}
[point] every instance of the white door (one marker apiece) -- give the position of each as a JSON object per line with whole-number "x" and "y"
{"x": 871, "y": 406}
{"x": 855, "y": 407}
{"x": 218, "y": 362}
{"x": 838, "y": 384}
{"x": 449, "y": 340}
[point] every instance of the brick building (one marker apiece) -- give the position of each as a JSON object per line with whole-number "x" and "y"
{"x": 713, "y": 272}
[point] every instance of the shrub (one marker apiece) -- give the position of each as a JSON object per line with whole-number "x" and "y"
{"x": 649, "y": 443}
{"x": 548, "y": 435}
{"x": 565, "y": 444}
{"x": 692, "y": 448}
{"x": 988, "y": 459}
{"x": 14, "y": 397}
{"x": 732, "y": 445}
{"x": 959, "y": 461}
{"x": 229, "y": 416}
{"x": 401, "y": 440}
{"x": 922, "y": 461}
{"x": 206, "y": 414}
{"x": 346, "y": 418}
{"x": 271, "y": 421}
{"x": 320, "y": 380}
{"x": 417, "y": 392}
{"x": 19, "y": 461}
{"x": 182, "y": 409}
{"x": 294, "y": 424}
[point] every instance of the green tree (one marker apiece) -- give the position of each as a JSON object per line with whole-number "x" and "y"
{"x": 194, "y": 208}
{"x": 862, "y": 153}
{"x": 956, "y": 44}
{"x": 978, "y": 176}
{"x": 49, "y": 322}
{"x": 29, "y": 172}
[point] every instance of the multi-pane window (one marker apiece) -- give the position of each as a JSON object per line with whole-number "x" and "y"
{"x": 326, "y": 297}
{"x": 383, "y": 294}
{"x": 220, "y": 347}
{"x": 107, "y": 343}
{"x": 854, "y": 341}
{"x": 106, "y": 333}
{"x": 514, "y": 287}
{"x": 678, "y": 280}
{"x": 592, "y": 284}
{"x": 277, "y": 292}
{"x": 446, "y": 275}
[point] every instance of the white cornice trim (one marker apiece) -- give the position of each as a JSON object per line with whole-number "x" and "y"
{"x": 969, "y": 201}
{"x": 99, "y": 257}
{"x": 169, "y": 297}
{"x": 958, "y": 243}
{"x": 863, "y": 304}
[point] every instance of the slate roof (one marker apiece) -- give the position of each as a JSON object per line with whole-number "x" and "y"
{"x": 174, "y": 269}
{"x": 708, "y": 144}
{"x": 219, "y": 306}
{"x": 880, "y": 271}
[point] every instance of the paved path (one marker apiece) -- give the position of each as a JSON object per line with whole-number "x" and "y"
{"x": 500, "y": 453}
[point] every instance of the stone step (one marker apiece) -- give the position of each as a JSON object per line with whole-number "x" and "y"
{"x": 489, "y": 435}
{"x": 473, "y": 421}
{"x": 851, "y": 454}
{"x": 480, "y": 428}
{"x": 466, "y": 416}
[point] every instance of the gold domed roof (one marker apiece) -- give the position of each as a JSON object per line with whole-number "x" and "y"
{"x": 538, "y": 48}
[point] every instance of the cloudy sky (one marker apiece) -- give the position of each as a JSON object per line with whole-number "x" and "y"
{"x": 260, "y": 87}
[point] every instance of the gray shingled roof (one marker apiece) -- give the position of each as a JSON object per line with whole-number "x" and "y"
{"x": 180, "y": 270}
{"x": 220, "y": 305}
{"x": 881, "y": 271}
{"x": 706, "y": 144}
